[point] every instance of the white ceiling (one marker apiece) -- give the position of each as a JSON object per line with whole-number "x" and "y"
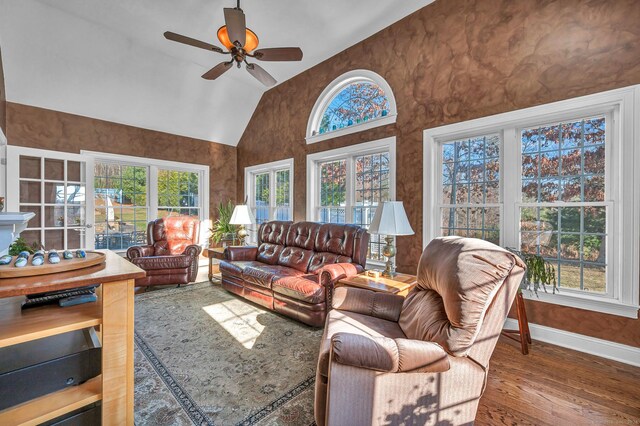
{"x": 109, "y": 60}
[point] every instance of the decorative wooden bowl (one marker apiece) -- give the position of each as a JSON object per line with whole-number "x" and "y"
{"x": 93, "y": 258}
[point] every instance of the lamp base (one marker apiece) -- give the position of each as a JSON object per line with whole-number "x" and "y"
{"x": 242, "y": 234}
{"x": 389, "y": 251}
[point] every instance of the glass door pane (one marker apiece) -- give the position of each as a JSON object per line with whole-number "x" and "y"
{"x": 53, "y": 186}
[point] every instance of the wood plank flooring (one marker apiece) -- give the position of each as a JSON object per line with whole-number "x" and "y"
{"x": 558, "y": 386}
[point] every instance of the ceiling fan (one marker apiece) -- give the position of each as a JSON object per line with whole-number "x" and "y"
{"x": 241, "y": 43}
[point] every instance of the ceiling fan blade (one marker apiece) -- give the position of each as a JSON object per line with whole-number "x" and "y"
{"x": 236, "y": 25}
{"x": 191, "y": 41}
{"x": 279, "y": 54}
{"x": 259, "y": 73}
{"x": 217, "y": 71}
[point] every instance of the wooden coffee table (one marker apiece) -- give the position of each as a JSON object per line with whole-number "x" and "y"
{"x": 400, "y": 284}
{"x": 213, "y": 253}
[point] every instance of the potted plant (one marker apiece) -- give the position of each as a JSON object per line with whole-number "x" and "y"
{"x": 222, "y": 232}
{"x": 20, "y": 245}
{"x": 540, "y": 273}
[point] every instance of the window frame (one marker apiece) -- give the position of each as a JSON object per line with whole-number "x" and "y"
{"x": 333, "y": 89}
{"x": 271, "y": 168}
{"x": 622, "y": 187}
{"x": 350, "y": 153}
{"x": 153, "y": 166}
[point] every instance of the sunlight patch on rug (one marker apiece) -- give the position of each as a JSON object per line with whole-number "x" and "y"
{"x": 238, "y": 319}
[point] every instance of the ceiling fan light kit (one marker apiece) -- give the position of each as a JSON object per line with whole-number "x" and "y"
{"x": 241, "y": 43}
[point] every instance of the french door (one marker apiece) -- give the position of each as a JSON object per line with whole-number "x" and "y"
{"x": 58, "y": 188}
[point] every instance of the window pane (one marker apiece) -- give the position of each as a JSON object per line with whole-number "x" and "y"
{"x": 177, "y": 192}
{"x": 333, "y": 191}
{"x": 283, "y": 203}
{"x": 471, "y": 177}
{"x": 564, "y": 161}
{"x": 356, "y": 103}
{"x": 120, "y": 205}
{"x": 262, "y": 197}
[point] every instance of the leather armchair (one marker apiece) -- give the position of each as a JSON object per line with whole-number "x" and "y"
{"x": 171, "y": 253}
{"x": 423, "y": 359}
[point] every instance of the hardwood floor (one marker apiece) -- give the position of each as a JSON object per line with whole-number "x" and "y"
{"x": 558, "y": 386}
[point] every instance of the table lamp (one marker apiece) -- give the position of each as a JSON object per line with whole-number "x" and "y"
{"x": 242, "y": 215}
{"x": 390, "y": 220}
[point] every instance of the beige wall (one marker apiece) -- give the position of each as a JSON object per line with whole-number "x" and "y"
{"x": 452, "y": 61}
{"x": 46, "y": 129}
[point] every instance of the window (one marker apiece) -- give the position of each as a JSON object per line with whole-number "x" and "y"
{"x": 470, "y": 203}
{"x": 347, "y": 185}
{"x": 129, "y": 192}
{"x": 120, "y": 203}
{"x": 353, "y": 102}
{"x": 548, "y": 180}
{"x": 269, "y": 190}
{"x": 178, "y": 193}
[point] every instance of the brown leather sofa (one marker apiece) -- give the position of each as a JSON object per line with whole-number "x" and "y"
{"x": 294, "y": 267}
{"x": 171, "y": 253}
{"x": 421, "y": 360}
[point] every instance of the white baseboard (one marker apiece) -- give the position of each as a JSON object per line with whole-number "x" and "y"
{"x": 579, "y": 342}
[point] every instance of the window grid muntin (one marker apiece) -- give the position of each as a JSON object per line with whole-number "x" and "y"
{"x": 495, "y": 140}
{"x": 174, "y": 197}
{"x": 110, "y": 238}
{"x": 349, "y": 207}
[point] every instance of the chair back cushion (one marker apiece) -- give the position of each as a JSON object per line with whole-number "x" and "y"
{"x": 299, "y": 245}
{"x": 458, "y": 278}
{"x": 272, "y": 237}
{"x": 171, "y": 235}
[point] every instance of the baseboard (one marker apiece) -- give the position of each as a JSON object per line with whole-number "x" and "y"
{"x": 579, "y": 342}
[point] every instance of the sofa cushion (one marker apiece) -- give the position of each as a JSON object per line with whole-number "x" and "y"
{"x": 263, "y": 275}
{"x": 303, "y": 235}
{"x": 305, "y": 288}
{"x": 318, "y": 260}
{"x": 235, "y": 267}
{"x": 269, "y": 253}
{"x": 350, "y": 322}
{"x": 162, "y": 262}
{"x": 274, "y": 232}
{"x": 458, "y": 279}
{"x": 335, "y": 238}
{"x": 296, "y": 258}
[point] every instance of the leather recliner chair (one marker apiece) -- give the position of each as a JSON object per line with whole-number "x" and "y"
{"x": 171, "y": 253}
{"x": 389, "y": 360}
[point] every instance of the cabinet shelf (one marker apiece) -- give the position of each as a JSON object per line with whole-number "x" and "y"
{"x": 18, "y": 326}
{"x": 53, "y": 405}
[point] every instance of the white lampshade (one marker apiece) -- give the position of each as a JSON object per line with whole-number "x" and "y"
{"x": 242, "y": 215}
{"x": 391, "y": 219}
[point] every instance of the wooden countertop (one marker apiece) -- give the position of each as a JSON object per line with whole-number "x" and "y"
{"x": 115, "y": 268}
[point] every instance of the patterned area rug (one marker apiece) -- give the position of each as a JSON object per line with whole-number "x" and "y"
{"x": 205, "y": 357}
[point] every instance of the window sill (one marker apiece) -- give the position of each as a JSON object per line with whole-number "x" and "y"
{"x": 586, "y": 302}
{"x": 382, "y": 121}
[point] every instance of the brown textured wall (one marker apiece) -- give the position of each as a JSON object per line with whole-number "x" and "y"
{"x": 452, "y": 61}
{"x": 3, "y": 99}
{"x": 46, "y": 129}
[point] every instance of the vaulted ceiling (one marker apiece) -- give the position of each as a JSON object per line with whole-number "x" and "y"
{"x": 109, "y": 60}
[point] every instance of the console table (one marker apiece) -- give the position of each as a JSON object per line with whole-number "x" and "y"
{"x": 400, "y": 284}
{"x": 111, "y": 315}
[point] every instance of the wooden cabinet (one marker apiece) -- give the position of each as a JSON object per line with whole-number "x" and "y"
{"x": 112, "y": 315}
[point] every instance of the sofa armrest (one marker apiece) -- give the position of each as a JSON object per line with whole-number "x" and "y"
{"x": 388, "y": 355}
{"x": 241, "y": 253}
{"x": 193, "y": 251}
{"x": 381, "y": 305}
{"x": 140, "y": 251}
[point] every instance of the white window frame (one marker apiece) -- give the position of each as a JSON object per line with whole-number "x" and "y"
{"x": 349, "y": 153}
{"x": 271, "y": 168}
{"x": 336, "y": 87}
{"x": 622, "y": 187}
{"x": 153, "y": 166}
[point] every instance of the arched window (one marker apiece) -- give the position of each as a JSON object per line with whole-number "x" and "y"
{"x": 355, "y": 101}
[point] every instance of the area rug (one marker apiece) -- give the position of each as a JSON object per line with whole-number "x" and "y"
{"x": 206, "y": 357}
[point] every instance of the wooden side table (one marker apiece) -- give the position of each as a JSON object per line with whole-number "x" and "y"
{"x": 400, "y": 284}
{"x": 213, "y": 253}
